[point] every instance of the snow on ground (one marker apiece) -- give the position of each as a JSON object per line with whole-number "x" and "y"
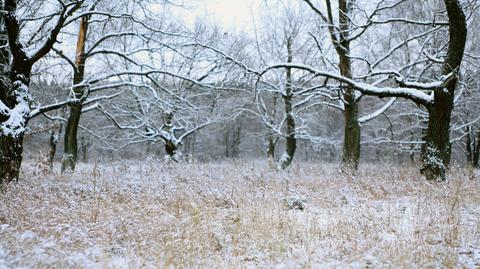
{"x": 231, "y": 215}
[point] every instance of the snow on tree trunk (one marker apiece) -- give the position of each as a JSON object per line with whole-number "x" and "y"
{"x": 436, "y": 156}
{"x": 438, "y": 147}
{"x": 54, "y": 135}
{"x": 291, "y": 141}
{"x": 173, "y": 153}
{"x": 12, "y": 129}
{"x": 15, "y": 104}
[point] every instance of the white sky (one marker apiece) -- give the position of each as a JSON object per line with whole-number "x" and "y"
{"x": 230, "y": 14}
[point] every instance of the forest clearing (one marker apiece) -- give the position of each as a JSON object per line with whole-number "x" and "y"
{"x": 239, "y": 134}
{"x": 239, "y": 215}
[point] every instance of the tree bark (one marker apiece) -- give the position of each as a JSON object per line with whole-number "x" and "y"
{"x": 11, "y": 154}
{"x": 171, "y": 149}
{"x": 272, "y": 142}
{"x": 473, "y": 147}
{"x": 469, "y": 146}
{"x": 9, "y": 146}
{"x": 437, "y": 147}
{"x": 189, "y": 148}
{"x": 412, "y": 146}
{"x": 291, "y": 141}
{"x": 57, "y": 129}
{"x": 352, "y": 132}
{"x": 351, "y": 142}
{"x": 232, "y": 138}
{"x": 4, "y": 52}
{"x": 11, "y": 142}
{"x": 476, "y": 152}
{"x": 17, "y": 100}
{"x": 85, "y": 145}
{"x": 70, "y": 154}
{"x": 11, "y": 138}
{"x": 437, "y": 141}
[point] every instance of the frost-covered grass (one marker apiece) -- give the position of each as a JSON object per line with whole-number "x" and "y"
{"x": 239, "y": 215}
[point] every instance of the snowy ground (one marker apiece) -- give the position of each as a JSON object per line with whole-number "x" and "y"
{"x": 239, "y": 215}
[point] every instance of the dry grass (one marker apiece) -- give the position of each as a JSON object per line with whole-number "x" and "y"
{"x": 230, "y": 215}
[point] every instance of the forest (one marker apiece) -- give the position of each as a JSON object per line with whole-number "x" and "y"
{"x": 311, "y": 134}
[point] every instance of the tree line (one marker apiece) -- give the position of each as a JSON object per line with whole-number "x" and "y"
{"x": 158, "y": 80}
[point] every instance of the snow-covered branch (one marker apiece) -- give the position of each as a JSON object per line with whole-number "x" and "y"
{"x": 418, "y": 96}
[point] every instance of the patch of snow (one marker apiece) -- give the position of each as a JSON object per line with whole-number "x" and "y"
{"x": 16, "y": 123}
{"x": 283, "y": 160}
{"x": 27, "y": 235}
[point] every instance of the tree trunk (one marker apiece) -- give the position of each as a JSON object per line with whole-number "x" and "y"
{"x": 232, "y": 139}
{"x": 272, "y": 140}
{"x": 171, "y": 150}
{"x": 84, "y": 145}
{"x": 15, "y": 96}
{"x": 473, "y": 147}
{"x": 412, "y": 154}
{"x": 10, "y": 147}
{"x": 12, "y": 127}
{"x": 11, "y": 154}
{"x": 12, "y": 132}
{"x": 469, "y": 146}
{"x": 189, "y": 148}
{"x": 4, "y": 52}
{"x": 226, "y": 139}
{"x": 291, "y": 141}
{"x": 351, "y": 142}
{"x": 352, "y": 132}
{"x": 437, "y": 141}
{"x": 412, "y": 146}
{"x": 236, "y": 140}
{"x": 476, "y": 152}
{"x": 57, "y": 129}
{"x": 271, "y": 151}
{"x": 69, "y": 159}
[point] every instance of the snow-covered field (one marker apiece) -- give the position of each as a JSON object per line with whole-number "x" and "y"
{"x": 239, "y": 215}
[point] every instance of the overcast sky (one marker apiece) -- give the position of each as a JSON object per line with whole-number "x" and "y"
{"x": 231, "y": 14}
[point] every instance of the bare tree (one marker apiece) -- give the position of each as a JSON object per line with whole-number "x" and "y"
{"x": 437, "y": 96}
{"x": 15, "y": 102}
{"x": 341, "y": 39}
{"x": 79, "y": 93}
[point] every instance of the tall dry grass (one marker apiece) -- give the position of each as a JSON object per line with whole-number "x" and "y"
{"x": 239, "y": 215}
